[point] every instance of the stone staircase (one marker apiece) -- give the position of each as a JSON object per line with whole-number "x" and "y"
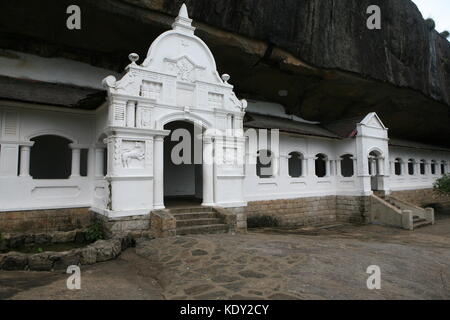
{"x": 198, "y": 220}
{"x": 420, "y": 218}
{"x": 419, "y": 222}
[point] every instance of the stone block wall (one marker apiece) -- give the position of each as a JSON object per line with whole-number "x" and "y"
{"x": 45, "y": 221}
{"x": 135, "y": 225}
{"x": 239, "y": 219}
{"x": 296, "y": 212}
{"x": 422, "y": 197}
{"x": 352, "y": 209}
{"x": 163, "y": 224}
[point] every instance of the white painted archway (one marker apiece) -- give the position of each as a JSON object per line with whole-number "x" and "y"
{"x": 178, "y": 81}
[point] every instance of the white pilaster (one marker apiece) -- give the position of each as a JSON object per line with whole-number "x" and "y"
{"x": 91, "y": 162}
{"x": 328, "y": 167}
{"x": 158, "y": 173}
{"x": 76, "y": 152}
{"x": 338, "y": 168}
{"x": 208, "y": 172}
{"x": 99, "y": 155}
{"x": 131, "y": 114}
{"x": 25, "y": 160}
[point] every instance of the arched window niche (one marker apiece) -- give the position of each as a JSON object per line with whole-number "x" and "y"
{"x": 422, "y": 167}
{"x": 347, "y": 166}
{"x": 411, "y": 163}
{"x": 50, "y": 157}
{"x": 321, "y": 165}
{"x": 398, "y": 166}
{"x": 433, "y": 167}
{"x": 295, "y": 164}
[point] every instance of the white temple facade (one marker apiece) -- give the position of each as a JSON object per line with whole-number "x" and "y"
{"x": 116, "y": 159}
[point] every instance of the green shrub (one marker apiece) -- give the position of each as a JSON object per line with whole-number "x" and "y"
{"x": 430, "y": 23}
{"x": 262, "y": 221}
{"x": 95, "y": 232}
{"x": 443, "y": 184}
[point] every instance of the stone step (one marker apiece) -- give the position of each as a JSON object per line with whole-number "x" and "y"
{"x": 197, "y": 222}
{"x": 421, "y": 224}
{"x": 418, "y": 220}
{"x": 191, "y": 210}
{"x": 211, "y": 228}
{"x": 194, "y": 215}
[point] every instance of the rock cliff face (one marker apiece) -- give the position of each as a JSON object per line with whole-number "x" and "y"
{"x": 316, "y": 57}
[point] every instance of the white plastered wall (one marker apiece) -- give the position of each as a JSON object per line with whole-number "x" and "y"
{"x": 20, "y": 123}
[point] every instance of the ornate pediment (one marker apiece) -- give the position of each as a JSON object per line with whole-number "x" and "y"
{"x": 372, "y": 120}
{"x": 184, "y": 68}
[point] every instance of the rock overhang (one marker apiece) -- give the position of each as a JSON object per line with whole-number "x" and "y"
{"x": 265, "y": 56}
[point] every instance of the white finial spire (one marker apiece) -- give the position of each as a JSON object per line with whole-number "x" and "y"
{"x": 183, "y": 12}
{"x": 183, "y": 22}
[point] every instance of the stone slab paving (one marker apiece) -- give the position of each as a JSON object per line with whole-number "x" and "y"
{"x": 304, "y": 263}
{"x": 129, "y": 277}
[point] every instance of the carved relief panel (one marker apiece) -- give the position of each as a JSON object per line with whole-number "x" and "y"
{"x": 215, "y": 100}
{"x": 132, "y": 154}
{"x": 152, "y": 90}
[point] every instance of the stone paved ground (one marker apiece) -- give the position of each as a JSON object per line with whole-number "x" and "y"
{"x": 127, "y": 277}
{"x": 307, "y": 263}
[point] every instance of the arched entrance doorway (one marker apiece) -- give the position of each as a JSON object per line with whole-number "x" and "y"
{"x": 183, "y": 170}
{"x": 376, "y": 170}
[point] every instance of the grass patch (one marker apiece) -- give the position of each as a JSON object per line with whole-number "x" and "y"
{"x": 95, "y": 232}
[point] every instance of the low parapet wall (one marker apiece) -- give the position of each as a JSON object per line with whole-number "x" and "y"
{"x": 312, "y": 210}
{"x": 422, "y": 197}
{"x": 45, "y": 221}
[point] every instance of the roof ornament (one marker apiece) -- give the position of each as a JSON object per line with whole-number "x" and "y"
{"x": 133, "y": 57}
{"x": 225, "y": 78}
{"x": 183, "y": 12}
{"x": 183, "y": 23}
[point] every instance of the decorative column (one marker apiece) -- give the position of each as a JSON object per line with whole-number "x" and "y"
{"x": 404, "y": 167}
{"x": 372, "y": 166}
{"x": 90, "y": 162}
{"x": 304, "y": 167}
{"x": 25, "y": 159}
{"x": 99, "y": 155}
{"x": 381, "y": 169}
{"x": 328, "y": 167}
{"x": 158, "y": 172}
{"x": 76, "y": 152}
{"x": 208, "y": 172}
{"x": 338, "y": 168}
{"x": 284, "y": 165}
{"x": 311, "y": 166}
{"x": 355, "y": 166}
{"x": 275, "y": 164}
{"x": 131, "y": 114}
